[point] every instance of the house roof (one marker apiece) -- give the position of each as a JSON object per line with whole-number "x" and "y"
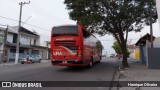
{"x": 142, "y": 40}
{"x": 1, "y": 28}
{"x": 13, "y": 30}
{"x": 22, "y": 29}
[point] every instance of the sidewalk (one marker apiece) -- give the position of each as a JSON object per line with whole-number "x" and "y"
{"x": 136, "y": 72}
{"x": 13, "y": 63}
{"x": 7, "y": 63}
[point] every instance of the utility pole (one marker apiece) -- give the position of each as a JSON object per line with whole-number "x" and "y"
{"x": 6, "y": 33}
{"x": 18, "y": 36}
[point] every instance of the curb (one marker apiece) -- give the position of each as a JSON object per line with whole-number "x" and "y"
{"x": 113, "y": 81}
{"x": 7, "y": 64}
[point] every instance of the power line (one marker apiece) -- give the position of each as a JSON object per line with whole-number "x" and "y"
{"x": 36, "y": 26}
{"x": 47, "y": 16}
{"x": 40, "y": 11}
{"x": 46, "y": 29}
{"x": 24, "y": 22}
{"x": 3, "y": 25}
{"x": 45, "y": 35}
{"x": 9, "y": 18}
{"x": 45, "y": 11}
{"x": 14, "y": 1}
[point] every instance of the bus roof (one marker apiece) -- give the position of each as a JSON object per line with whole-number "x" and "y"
{"x": 75, "y": 25}
{"x": 65, "y": 25}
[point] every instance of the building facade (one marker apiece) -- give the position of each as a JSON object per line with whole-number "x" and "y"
{"x": 27, "y": 42}
{"x": 134, "y": 52}
{"x": 2, "y": 39}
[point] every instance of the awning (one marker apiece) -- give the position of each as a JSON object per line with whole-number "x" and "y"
{"x": 21, "y": 46}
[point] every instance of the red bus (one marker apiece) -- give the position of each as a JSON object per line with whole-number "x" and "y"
{"x": 73, "y": 45}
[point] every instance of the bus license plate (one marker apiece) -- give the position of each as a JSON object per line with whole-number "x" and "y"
{"x": 64, "y": 62}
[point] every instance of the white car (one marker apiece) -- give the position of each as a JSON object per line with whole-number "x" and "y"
{"x": 31, "y": 59}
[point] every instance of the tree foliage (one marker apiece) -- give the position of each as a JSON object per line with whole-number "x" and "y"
{"x": 118, "y": 49}
{"x": 116, "y": 17}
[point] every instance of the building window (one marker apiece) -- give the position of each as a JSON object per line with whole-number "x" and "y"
{"x": 14, "y": 38}
{"x": 35, "y": 52}
{"x": 1, "y": 35}
{"x": 24, "y": 39}
{"x": 34, "y": 41}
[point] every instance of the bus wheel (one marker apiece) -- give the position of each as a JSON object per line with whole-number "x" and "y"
{"x": 99, "y": 61}
{"x": 91, "y": 63}
{"x": 100, "y": 57}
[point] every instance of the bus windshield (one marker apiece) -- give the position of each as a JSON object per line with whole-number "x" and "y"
{"x": 65, "y": 31}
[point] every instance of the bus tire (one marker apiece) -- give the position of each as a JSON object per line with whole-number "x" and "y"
{"x": 99, "y": 61}
{"x": 100, "y": 57}
{"x": 90, "y": 63}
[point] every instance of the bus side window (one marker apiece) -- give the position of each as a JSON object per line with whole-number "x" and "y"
{"x": 85, "y": 34}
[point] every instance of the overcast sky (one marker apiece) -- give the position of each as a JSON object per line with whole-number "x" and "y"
{"x": 49, "y": 13}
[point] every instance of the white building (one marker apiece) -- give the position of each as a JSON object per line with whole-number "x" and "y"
{"x": 156, "y": 42}
{"x": 29, "y": 43}
{"x": 2, "y": 37}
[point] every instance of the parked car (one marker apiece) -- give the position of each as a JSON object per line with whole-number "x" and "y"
{"x": 112, "y": 55}
{"x": 31, "y": 59}
{"x": 103, "y": 55}
{"x": 37, "y": 58}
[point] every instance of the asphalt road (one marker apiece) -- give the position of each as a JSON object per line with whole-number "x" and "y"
{"x": 46, "y": 72}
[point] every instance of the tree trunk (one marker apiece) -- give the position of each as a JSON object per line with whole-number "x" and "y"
{"x": 124, "y": 51}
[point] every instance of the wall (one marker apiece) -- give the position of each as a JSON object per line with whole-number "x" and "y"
{"x": 27, "y": 39}
{"x": 41, "y": 51}
{"x": 12, "y": 51}
{"x": 156, "y": 42}
{"x": 37, "y": 41}
{"x": 154, "y": 58}
{"x": 1, "y": 52}
{"x": 131, "y": 53}
{"x": 134, "y": 53}
{"x": 24, "y": 39}
{"x": 1, "y": 37}
{"x": 143, "y": 55}
{"x": 137, "y": 53}
{"x": 10, "y": 37}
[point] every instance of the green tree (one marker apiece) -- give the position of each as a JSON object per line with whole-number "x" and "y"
{"x": 115, "y": 17}
{"x": 118, "y": 49}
